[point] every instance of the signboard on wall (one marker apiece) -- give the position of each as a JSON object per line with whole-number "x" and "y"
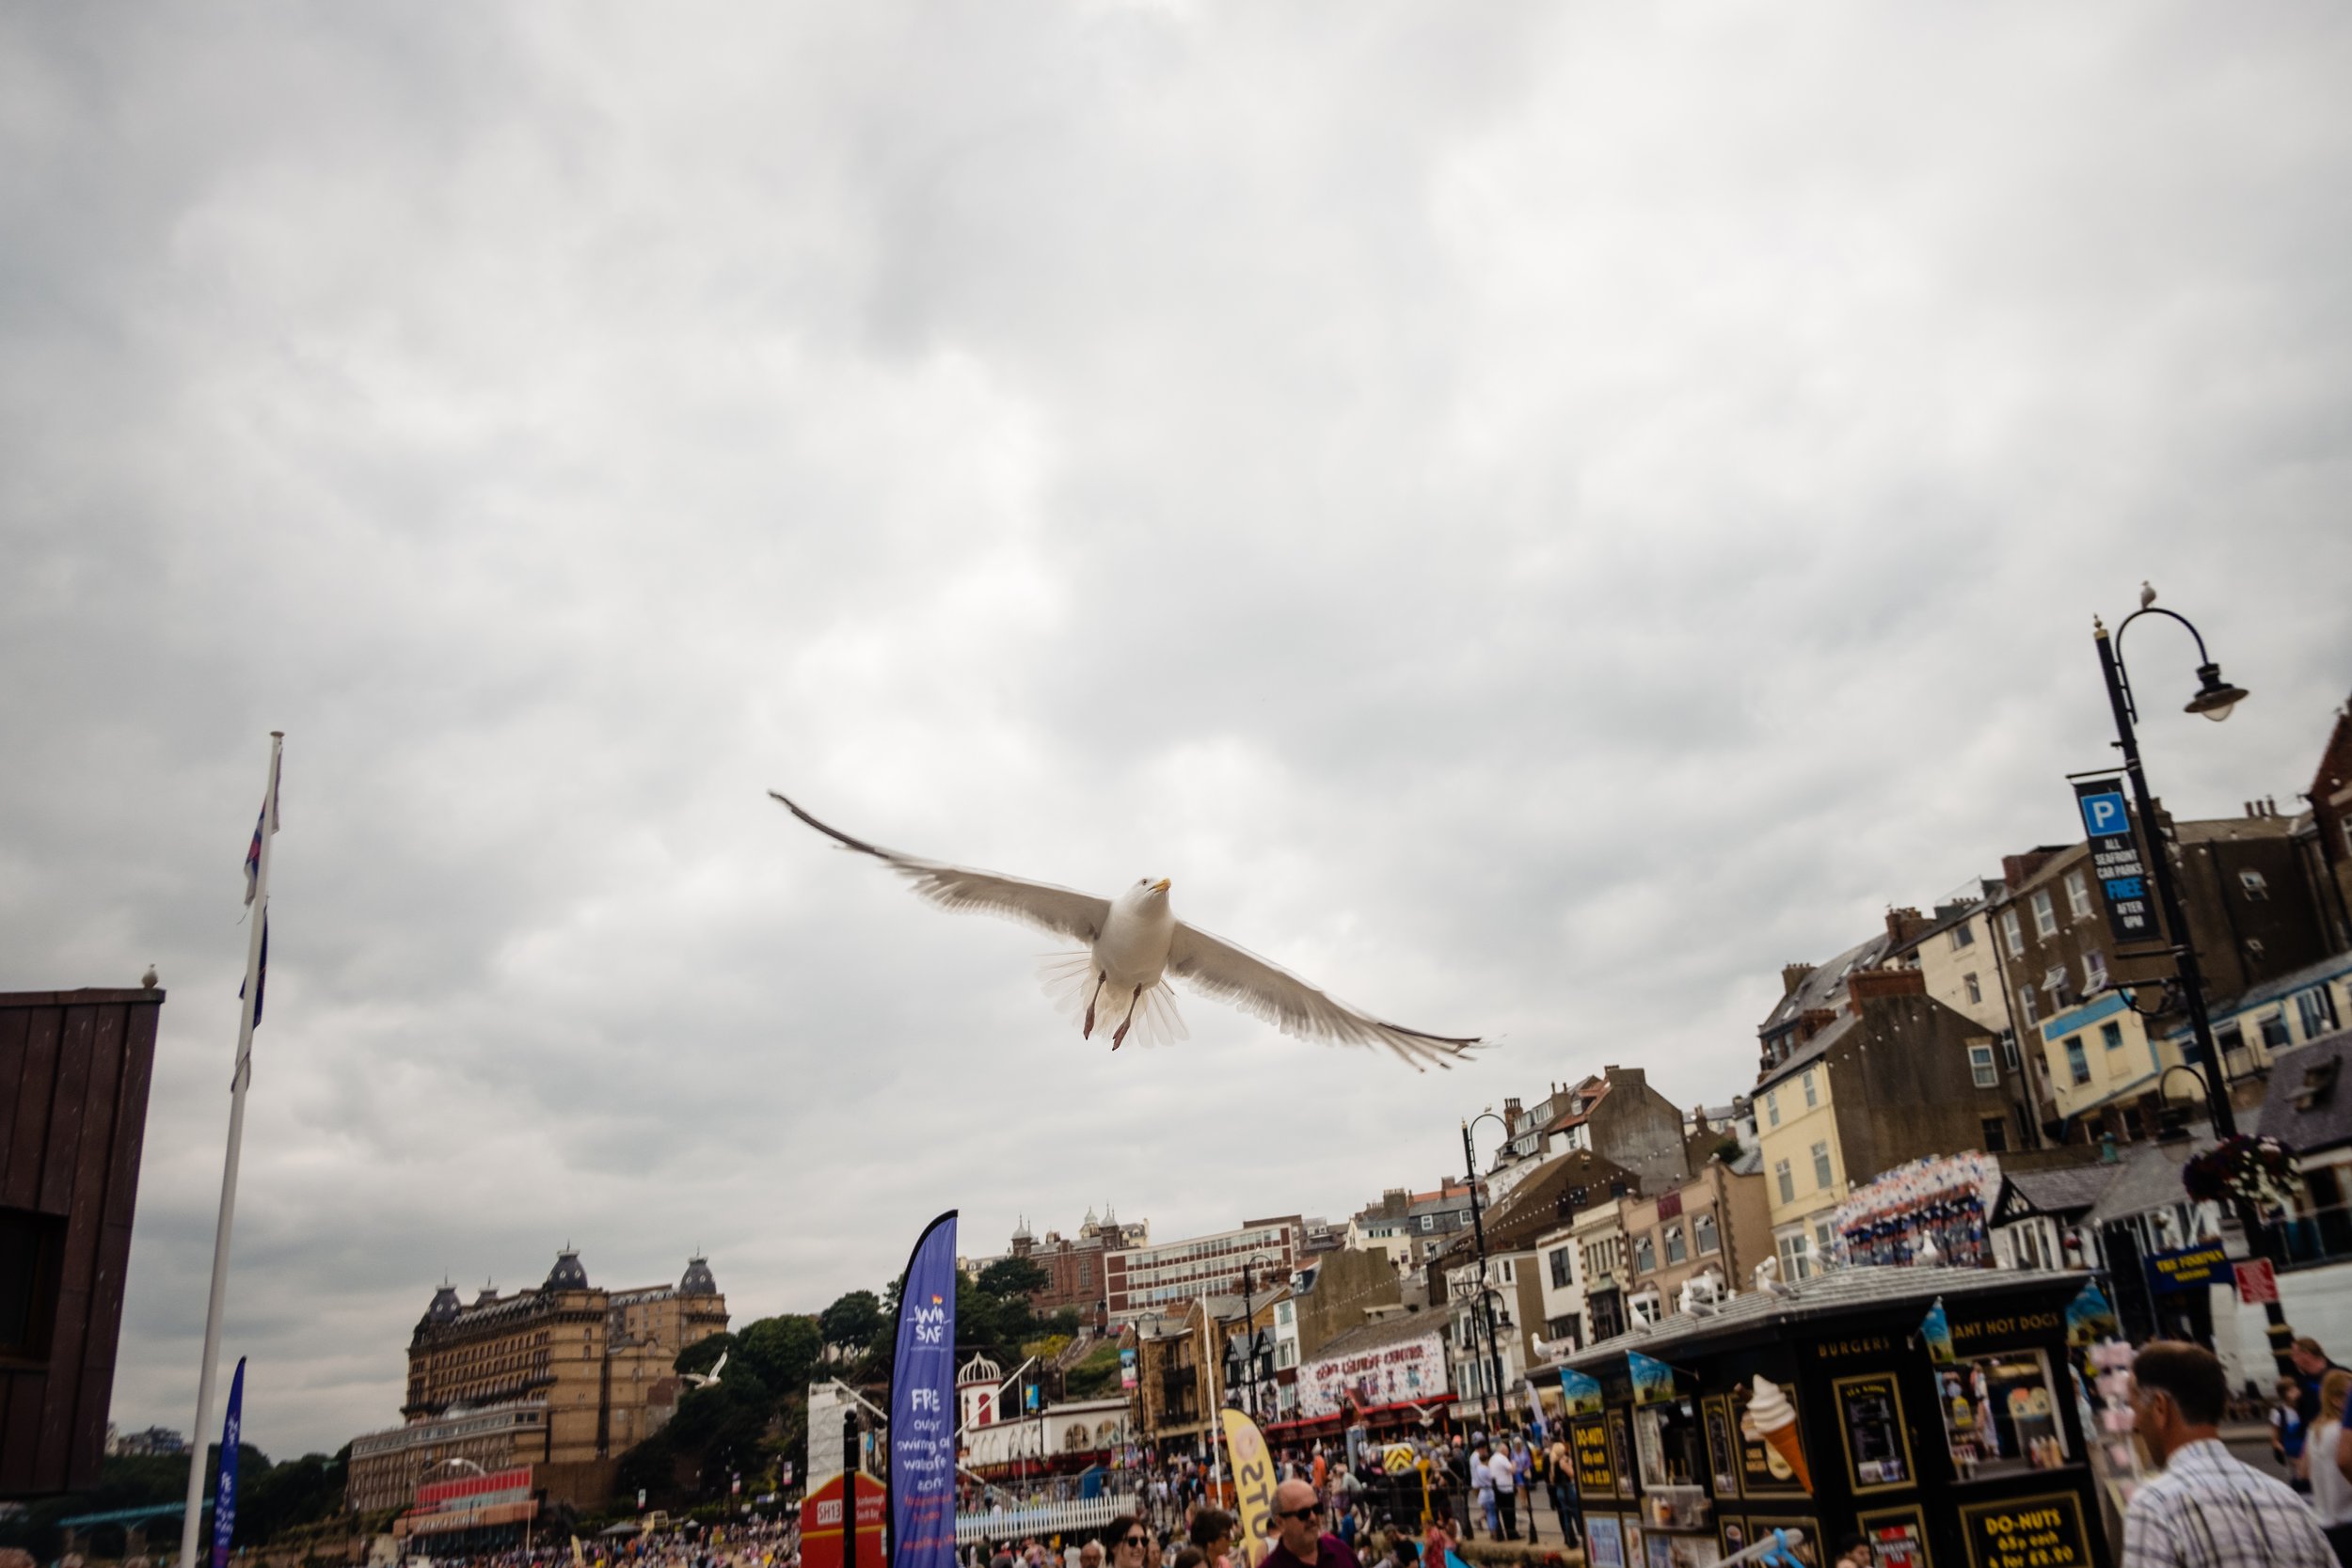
{"x": 2190, "y": 1269}
{"x": 1392, "y": 1373}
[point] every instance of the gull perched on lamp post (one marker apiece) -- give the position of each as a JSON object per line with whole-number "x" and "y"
{"x": 1135, "y": 945}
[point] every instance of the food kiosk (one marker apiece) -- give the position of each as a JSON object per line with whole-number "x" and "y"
{"x": 1930, "y": 1410}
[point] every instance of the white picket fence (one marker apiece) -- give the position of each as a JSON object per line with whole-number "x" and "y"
{"x": 1065, "y": 1519}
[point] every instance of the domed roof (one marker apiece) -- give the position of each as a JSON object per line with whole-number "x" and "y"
{"x": 698, "y": 1281}
{"x": 980, "y": 1369}
{"x": 567, "y": 1274}
{"x": 445, "y": 1305}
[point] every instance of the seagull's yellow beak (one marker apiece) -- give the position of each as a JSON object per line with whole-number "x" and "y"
{"x": 1160, "y": 886}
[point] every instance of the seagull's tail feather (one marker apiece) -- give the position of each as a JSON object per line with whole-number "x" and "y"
{"x": 1158, "y": 1023}
{"x": 1068, "y": 982}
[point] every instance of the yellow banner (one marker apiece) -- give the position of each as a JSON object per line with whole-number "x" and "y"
{"x": 1254, "y": 1484}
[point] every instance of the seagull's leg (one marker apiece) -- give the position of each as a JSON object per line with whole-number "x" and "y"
{"x": 1087, "y": 1033}
{"x": 1128, "y": 1022}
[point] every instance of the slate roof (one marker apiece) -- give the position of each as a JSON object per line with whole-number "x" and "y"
{"x": 1808, "y": 1053}
{"x": 2149, "y": 1177}
{"x": 2280, "y": 989}
{"x": 2063, "y": 1192}
{"x": 1825, "y": 985}
{"x": 2320, "y": 1076}
{"x": 1860, "y": 1287}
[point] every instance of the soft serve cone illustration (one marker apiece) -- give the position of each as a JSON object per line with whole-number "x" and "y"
{"x": 1771, "y": 1416}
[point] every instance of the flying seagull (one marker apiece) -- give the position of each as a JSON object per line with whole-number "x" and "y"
{"x": 1135, "y": 945}
{"x": 710, "y": 1378}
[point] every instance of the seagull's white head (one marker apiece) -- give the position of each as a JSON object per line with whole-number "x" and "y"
{"x": 1146, "y": 889}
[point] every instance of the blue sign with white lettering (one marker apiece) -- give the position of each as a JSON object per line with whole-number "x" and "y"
{"x": 923, "y": 1406}
{"x": 2104, "y": 814}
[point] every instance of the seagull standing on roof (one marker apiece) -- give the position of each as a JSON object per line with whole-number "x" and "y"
{"x": 1134, "y": 944}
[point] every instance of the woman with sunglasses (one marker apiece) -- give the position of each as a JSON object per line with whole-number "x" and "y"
{"x": 1130, "y": 1543}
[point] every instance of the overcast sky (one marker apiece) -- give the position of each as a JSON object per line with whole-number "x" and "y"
{"x": 1533, "y": 516}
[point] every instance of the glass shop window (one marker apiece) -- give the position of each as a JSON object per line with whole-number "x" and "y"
{"x": 2001, "y": 1413}
{"x": 1670, "y": 1446}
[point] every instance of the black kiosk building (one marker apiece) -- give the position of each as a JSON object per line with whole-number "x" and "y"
{"x": 1979, "y": 1462}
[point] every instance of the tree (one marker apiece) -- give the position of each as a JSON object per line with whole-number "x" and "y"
{"x": 1013, "y": 1276}
{"x": 782, "y": 1352}
{"x": 703, "y": 1355}
{"x": 854, "y": 1322}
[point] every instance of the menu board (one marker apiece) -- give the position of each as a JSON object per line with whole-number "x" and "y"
{"x": 2026, "y": 1532}
{"x": 1762, "y": 1469}
{"x": 1871, "y": 1420}
{"x": 1588, "y": 1435}
{"x": 1898, "y": 1538}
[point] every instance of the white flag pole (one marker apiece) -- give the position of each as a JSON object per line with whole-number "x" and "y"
{"x": 190, "y": 1528}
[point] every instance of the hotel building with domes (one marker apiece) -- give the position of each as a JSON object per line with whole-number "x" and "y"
{"x": 564, "y": 1378}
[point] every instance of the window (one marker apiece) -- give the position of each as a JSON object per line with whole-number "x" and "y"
{"x": 1820, "y": 1164}
{"x": 1981, "y": 1068}
{"x": 2011, "y": 934}
{"x": 2111, "y": 1034}
{"x": 1646, "y": 1255}
{"x": 2077, "y": 1064}
{"x": 1975, "y": 992}
{"x": 1771, "y": 1108}
{"x": 1704, "y": 1235}
{"x": 1812, "y": 1092}
{"x": 1824, "y": 1242}
{"x": 2053, "y": 981}
{"x": 2274, "y": 1030}
{"x": 2009, "y": 1051}
{"x": 1796, "y": 1259}
{"x": 1510, "y": 1272}
{"x": 1678, "y": 1246}
{"x": 2078, "y": 894}
{"x": 2317, "y": 1011}
{"x": 2094, "y": 972}
{"x": 1963, "y": 935}
{"x": 1996, "y": 1134}
{"x": 1788, "y": 1183}
{"x": 2044, "y": 914}
{"x": 2026, "y": 1004}
{"x": 1563, "y": 1267}
{"x": 2257, "y": 886}
{"x": 1429, "y": 1221}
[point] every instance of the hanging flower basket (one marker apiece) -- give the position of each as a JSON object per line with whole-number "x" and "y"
{"x": 2261, "y": 1170}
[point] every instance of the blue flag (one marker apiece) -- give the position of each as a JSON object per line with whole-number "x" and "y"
{"x": 225, "y": 1501}
{"x": 923, "y": 1406}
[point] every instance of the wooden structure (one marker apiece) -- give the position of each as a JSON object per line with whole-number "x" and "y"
{"x": 74, "y": 1069}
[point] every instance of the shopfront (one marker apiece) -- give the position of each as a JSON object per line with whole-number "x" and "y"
{"x": 1831, "y": 1410}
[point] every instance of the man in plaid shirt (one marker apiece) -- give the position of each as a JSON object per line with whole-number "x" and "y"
{"x": 2207, "y": 1510}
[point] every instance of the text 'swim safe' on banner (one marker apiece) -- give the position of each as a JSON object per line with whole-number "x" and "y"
{"x": 922, "y": 1406}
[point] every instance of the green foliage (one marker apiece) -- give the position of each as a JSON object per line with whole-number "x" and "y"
{"x": 854, "y": 1322}
{"x": 782, "y": 1352}
{"x": 1012, "y": 1276}
{"x": 703, "y": 1355}
{"x": 1097, "y": 1374}
{"x": 1727, "y": 1150}
{"x": 651, "y": 1468}
{"x": 271, "y": 1499}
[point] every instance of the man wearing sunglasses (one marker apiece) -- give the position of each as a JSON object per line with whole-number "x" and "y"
{"x": 1299, "y": 1538}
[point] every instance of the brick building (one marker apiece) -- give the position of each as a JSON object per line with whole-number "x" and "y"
{"x": 565, "y": 1377}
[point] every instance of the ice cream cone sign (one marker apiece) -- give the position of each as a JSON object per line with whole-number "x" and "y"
{"x": 1773, "y": 1419}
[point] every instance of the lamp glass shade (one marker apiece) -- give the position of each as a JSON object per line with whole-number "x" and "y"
{"x": 2215, "y": 696}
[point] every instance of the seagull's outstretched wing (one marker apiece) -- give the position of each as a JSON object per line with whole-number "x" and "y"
{"x": 1215, "y": 967}
{"x": 1059, "y": 910}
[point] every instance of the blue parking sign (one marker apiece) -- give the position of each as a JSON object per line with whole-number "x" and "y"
{"x": 2104, "y": 816}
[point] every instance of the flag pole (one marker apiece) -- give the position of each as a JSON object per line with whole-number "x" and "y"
{"x": 267, "y": 829}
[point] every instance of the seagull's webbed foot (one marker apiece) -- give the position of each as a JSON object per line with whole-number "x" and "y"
{"x": 1120, "y": 1037}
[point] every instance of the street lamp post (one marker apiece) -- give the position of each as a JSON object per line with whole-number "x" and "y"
{"x": 1486, "y": 1300}
{"x": 2213, "y": 700}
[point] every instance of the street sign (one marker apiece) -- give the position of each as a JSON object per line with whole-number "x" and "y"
{"x": 2257, "y": 1285}
{"x": 2115, "y": 860}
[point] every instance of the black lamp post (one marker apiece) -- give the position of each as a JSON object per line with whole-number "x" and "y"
{"x": 1249, "y": 1317}
{"x": 1485, "y": 1299}
{"x": 2213, "y": 700}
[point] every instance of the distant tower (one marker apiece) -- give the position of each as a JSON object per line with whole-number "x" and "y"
{"x": 976, "y": 1392}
